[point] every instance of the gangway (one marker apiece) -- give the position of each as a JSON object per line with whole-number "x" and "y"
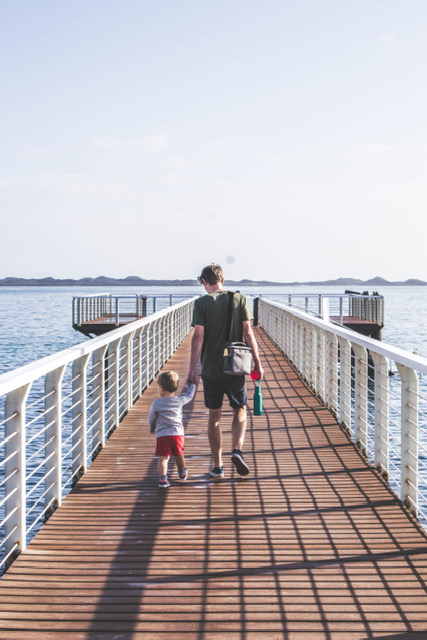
{"x": 316, "y": 543}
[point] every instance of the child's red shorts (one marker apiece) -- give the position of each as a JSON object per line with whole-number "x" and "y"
{"x": 170, "y": 445}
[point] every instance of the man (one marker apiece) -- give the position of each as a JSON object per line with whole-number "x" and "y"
{"x": 209, "y": 339}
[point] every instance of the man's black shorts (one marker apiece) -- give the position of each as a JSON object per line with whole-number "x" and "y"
{"x": 234, "y": 388}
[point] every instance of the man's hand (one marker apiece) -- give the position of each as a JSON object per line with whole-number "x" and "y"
{"x": 196, "y": 348}
{"x": 258, "y": 367}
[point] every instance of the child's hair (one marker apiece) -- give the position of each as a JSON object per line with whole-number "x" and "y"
{"x": 169, "y": 381}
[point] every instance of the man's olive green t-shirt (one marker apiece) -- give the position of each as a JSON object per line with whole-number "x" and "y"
{"x": 211, "y": 311}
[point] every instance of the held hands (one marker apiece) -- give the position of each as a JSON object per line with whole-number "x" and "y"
{"x": 191, "y": 378}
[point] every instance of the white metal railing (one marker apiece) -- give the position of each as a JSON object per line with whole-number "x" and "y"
{"x": 120, "y": 308}
{"x": 336, "y": 305}
{"x": 59, "y": 412}
{"x": 376, "y": 391}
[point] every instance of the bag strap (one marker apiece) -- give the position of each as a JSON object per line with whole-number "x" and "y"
{"x": 230, "y": 312}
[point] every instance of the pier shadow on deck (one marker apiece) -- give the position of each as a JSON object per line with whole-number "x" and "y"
{"x": 312, "y": 545}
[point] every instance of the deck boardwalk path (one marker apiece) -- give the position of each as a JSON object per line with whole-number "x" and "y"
{"x": 312, "y": 545}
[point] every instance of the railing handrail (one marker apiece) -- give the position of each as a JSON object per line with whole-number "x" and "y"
{"x": 131, "y": 295}
{"x": 389, "y": 351}
{"x": 357, "y": 296}
{"x": 29, "y": 372}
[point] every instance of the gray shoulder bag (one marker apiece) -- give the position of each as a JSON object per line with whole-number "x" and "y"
{"x": 237, "y": 355}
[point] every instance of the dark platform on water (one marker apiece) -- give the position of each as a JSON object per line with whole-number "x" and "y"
{"x": 365, "y": 327}
{"x": 101, "y": 325}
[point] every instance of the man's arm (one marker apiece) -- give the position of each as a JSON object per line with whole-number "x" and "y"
{"x": 196, "y": 349}
{"x": 249, "y": 338}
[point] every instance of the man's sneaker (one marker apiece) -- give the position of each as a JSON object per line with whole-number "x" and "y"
{"x": 217, "y": 472}
{"x": 239, "y": 462}
{"x": 183, "y": 474}
{"x": 164, "y": 483}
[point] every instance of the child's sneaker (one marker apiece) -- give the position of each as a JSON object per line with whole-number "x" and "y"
{"x": 217, "y": 472}
{"x": 239, "y": 462}
{"x": 183, "y": 474}
{"x": 164, "y": 483}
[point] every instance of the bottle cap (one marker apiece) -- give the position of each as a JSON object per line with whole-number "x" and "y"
{"x": 255, "y": 375}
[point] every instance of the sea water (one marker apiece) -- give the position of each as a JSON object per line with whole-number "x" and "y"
{"x": 37, "y": 321}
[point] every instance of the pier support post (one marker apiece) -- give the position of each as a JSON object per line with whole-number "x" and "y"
{"x": 53, "y": 439}
{"x": 381, "y": 391}
{"x": 361, "y": 397}
{"x": 345, "y": 383}
{"x": 113, "y": 384}
{"x": 331, "y": 373}
{"x": 409, "y": 454}
{"x": 256, "y": 312}
{"x": 79, "y": 418}
{"x": 320, "y": 368}
{"x": 98, "y": 377}
{"x": 15, "y": 472}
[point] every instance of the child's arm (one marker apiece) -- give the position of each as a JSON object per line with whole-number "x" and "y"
{"x": 152, "y": 417}
{"x": 189, "y": 394}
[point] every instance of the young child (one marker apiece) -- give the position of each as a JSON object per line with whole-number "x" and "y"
{"x": 165, "y": 420}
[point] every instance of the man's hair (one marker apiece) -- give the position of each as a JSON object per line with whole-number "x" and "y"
{"x": 212, "y": 274}
{"x": 169, "y": 381}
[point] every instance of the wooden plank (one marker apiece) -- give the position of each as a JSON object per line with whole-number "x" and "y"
{"x": 312, "y": 545}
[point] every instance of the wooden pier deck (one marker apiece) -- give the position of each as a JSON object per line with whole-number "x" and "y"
{"x": 312, "y": 545}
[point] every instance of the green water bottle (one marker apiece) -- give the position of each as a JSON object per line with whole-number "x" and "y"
{"x": 257, "y": 395}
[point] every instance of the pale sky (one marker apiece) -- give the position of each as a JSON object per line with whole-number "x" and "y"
{"x": 284, "y": 139}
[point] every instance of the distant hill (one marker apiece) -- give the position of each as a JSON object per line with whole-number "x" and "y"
{"x": 136, "y": 281}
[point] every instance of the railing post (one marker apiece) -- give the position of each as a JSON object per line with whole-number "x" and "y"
{"x": 361, "y": 397}
{"x": 53, "y": 438}
{"x": 320, "y": 364}
{"x": 381, "y": 393}
{"x": 325, "y": 309}
{"x": 306, "y": 352}
{"x": 137, "y": 363}
{"x": 331, "y": 373}
{"x": 79, "y": 416}
{"x": 127, "y": 345}
{"x": 256, "y": 312}
{"x": 117, "y": 312}
{"x": 345, "y": 383}
{"x": 148, "y": 355}
{"x": 312, "y": 376}
{"x": 114, "y": 382}
{"x": 409, "y": 437}
{"x": 98, "y": 374}
{"x": 15, "y": 471}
